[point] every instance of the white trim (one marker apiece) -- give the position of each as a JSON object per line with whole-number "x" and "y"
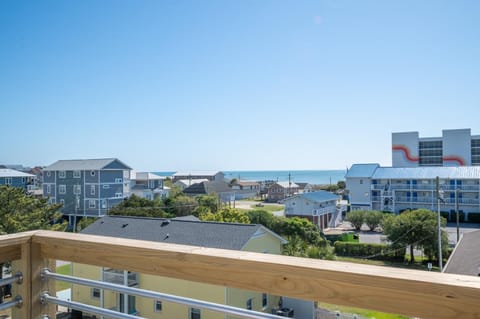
{"x": 62, "y": 189}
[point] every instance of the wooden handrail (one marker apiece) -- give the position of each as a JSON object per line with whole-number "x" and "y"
{"x": 11, "y": 245}
{"x": 410, "y": 292}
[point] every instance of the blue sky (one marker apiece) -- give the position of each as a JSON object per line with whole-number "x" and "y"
{"x": 233, "y": 85}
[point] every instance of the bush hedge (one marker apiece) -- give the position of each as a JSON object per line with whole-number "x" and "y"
{"x": 370, "y": 251}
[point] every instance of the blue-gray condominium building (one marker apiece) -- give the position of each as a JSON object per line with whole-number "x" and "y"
{"x": 87, "y": 187}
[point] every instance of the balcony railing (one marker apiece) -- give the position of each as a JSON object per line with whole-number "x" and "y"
{"x": 409, "y": 292}
{"x": 425, "y": 187}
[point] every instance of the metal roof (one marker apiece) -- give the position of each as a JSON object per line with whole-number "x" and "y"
{"x": 318, "y": 196}
{"x": 146, "y": 176}
{"x": 444, "y": 172}
{"x": 177, "y": 231}
{"x": 287, "y": 184}
{"x": 82, "y": 164}
{"x": 361, "y": 170}
{"x": 7, "y": 172}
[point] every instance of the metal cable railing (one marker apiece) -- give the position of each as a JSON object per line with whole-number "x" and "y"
{"x": 47, "y": 274}
{"x": 17, "y": 301}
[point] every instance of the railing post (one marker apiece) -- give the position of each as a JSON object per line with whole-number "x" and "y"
{"x": 40, "y": 285}
{"x": 24, "y": 289}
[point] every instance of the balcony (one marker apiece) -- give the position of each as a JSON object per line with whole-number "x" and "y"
{"x": 409, "y": 292}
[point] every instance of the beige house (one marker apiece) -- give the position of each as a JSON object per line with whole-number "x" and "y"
{"x": 281, "y": 190}
{"x": 245, "y": 237}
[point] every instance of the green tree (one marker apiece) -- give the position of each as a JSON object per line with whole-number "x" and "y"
{"x": 300, "y": 227}
{"x": 22, "y": 212}
{"x": 341, "y": 184}
{"x": 208, "y": 201}
{"x": 373, "y": 219}
{"x": 356, "y": 218}
{"x": 417, "y": 228}
{"x": 141, "y": 207}
{"x": 262, "y": 217}
{"x": 227, "y": 215}
{"x": 183, "y": 205}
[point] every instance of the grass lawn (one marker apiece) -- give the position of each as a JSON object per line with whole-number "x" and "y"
{"x": 269, "y": 208}
{"x": 64, "y": 270}
{"x": 361, "y": 312}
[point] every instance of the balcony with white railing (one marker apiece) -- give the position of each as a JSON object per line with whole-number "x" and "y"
{"x": 409, "y": 292}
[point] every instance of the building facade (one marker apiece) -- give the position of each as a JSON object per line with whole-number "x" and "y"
{"x": 280, "y": 190}
{"x": 320, "y": 207}
{"x": 396, "y": 189}
{"x": 148, "y": 185}
{"x": 87, "y": 187}
{"x": 454, "y": 148}
{"x": 244, "y": 237}
{"x": 15, "y": 178}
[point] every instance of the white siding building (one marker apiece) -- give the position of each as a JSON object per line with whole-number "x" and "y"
{"x": 320, "y": 207}
{"x": 400, "y": 188}
{"x": 454, "y": 148}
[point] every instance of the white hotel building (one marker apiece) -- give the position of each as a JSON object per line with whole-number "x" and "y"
{"x": 411, "y": 181}
{"x": 453, "y": 148}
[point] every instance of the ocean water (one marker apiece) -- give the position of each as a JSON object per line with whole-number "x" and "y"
{"x": 323, "y": 177}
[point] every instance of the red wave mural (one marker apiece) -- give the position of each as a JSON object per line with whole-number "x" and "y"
{"x": 409, "y": 157}
{"x": 406, "y": 152}
{"x": 457, "y": 159}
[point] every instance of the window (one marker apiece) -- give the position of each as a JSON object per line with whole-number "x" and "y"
{"x": 195, "y": 313}
{"x": 76, "y": 174}
{"x": 250, "y": 304}
{"x": 118, "y": 180}
{"x": 77, "y": 202}
{"x": 77, "y": 189}
{"x": 106, "y": 186}
{"x": 49, "y": 189}
{"x": 92, "y": 173}
{"x": 91, "y": 203}
{"x": 361, "y": 181}
{"x": 8, "y": 181}
{"x": 104, "y": 203}
{"x": 61, "y": 174}
{"x": 157, "y": 306}
{"x": 62, "y": 189}
{"x": 95, "y": 293}
{"x": 62, "y": 201}
{"x": 264, "y": 300}
{"x": 49, "y": 173}
{"x": 118, "y": 195}
{"x": 92, "y": 189}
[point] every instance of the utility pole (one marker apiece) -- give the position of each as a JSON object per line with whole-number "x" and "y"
{"x": 289, "y": 184}
{"x": 440, "y": 262}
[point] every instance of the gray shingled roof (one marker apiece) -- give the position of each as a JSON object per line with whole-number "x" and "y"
{"x": 465, "y": 259}
{"x": 82, "y": 164}
{"x": 208, "y": 187}
{"x": 175, "y": 231}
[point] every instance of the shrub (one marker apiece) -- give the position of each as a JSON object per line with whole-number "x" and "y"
{"x": 361, "y": 250}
